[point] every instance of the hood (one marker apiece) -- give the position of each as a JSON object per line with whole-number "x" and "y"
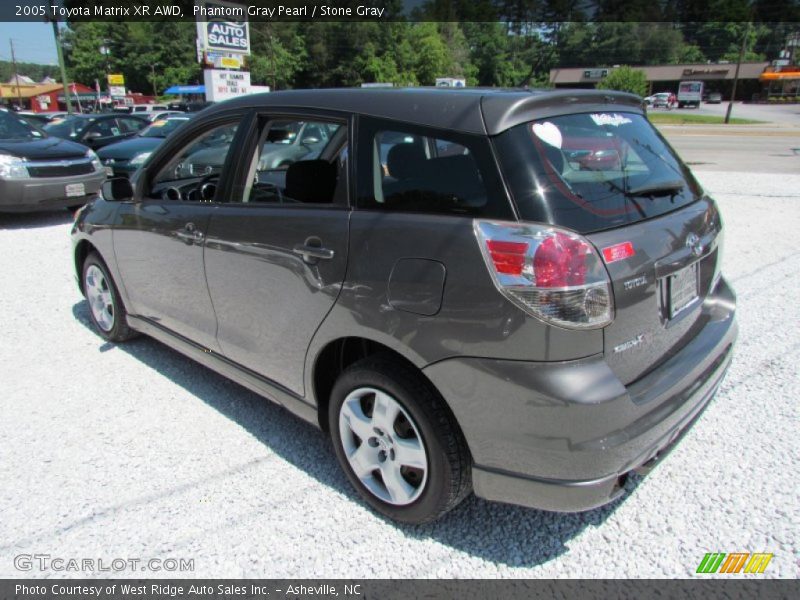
{"x": 42, "y": 149}
{"x": 127, "y": 149}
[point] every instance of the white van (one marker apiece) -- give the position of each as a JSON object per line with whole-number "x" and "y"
{"x": 690, "y": 93}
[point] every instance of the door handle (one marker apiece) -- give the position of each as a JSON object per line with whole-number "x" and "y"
{"x": 190, "y": 234}
{"x": 313, "y": 252}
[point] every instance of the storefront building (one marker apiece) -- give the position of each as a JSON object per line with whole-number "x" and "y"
{"x": 666, "y": 78}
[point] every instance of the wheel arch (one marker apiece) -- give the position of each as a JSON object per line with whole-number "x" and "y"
{"x": 338, "y": 354}
{"x": 82, "y": 250}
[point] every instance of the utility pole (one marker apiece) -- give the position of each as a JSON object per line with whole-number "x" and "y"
{"x": 153, "y": 77}
{"x": 16, "y": 73}
{"x": 60, "y": 53}
{"x": 736, "y": 73}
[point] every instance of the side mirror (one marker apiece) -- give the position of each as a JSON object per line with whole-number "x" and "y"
{"x": 118, "y": 189}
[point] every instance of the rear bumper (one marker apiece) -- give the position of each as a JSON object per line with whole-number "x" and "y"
{"x": 46, "y": 193}
{"x": 563, "y": 436}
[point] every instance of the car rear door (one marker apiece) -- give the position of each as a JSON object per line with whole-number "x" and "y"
{"x": 276, "y": 252}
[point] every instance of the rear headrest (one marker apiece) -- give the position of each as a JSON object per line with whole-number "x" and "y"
{"x": 311, "y": 181}
{"x": 405, "y": 160}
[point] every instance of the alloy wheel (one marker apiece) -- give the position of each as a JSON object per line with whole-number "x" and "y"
{"x": 100, "y": 299}
{"x": 383, "y": 446}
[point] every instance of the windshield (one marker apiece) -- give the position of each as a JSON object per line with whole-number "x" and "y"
{"x": 16, "y": 128}
{"x": 67, "y": 127}
{"x": 593, "y": 171}
{"x": 162, "y": 128}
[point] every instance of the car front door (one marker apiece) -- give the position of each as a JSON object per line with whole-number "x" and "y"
{"x": 276, "y": 253}
{"x": 159, "y": 238}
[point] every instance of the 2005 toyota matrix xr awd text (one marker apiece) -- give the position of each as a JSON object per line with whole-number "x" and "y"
{"x": 511, "y": 292}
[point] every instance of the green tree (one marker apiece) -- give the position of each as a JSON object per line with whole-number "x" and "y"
{"x": 625, "y": 79}
{"x": 690, "y": 53}
{"x": 278, "y": 53}
{"x": 489, "y": 46}
{"x": 32, "y": 70}
{"x": 432, "y": 57}
{"x": 151, "y": 55}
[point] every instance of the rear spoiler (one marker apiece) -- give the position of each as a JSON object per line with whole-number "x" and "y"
{"x": 499, "y": 115}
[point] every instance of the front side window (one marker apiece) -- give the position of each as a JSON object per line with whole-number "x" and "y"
{"x": 104, "y": 128}
{"x": 298, "y": 161}
{"x": 427, "y": 171}
{"x": 593, "y": 171}
{"x": 193, "y": 173}
{"x": 128, "y": 125}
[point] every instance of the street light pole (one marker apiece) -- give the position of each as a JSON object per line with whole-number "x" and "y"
{"x": 105, "y": 51}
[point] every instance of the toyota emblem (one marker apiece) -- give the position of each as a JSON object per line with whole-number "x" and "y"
{"x": 694, "y": 244}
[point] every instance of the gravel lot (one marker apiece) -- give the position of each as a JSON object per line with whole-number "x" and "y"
{"x": 136, "y": 452}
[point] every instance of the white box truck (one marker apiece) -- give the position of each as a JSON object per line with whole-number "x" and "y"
{"x": 690, "y": 93}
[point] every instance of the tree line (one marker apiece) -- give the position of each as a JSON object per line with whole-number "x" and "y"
{"x": 34, "y": 71}
{"x": 488, "y": 42}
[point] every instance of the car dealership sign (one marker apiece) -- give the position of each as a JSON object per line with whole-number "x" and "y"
{"x": 223, "y": 85}
{"x": 220, "y": 33}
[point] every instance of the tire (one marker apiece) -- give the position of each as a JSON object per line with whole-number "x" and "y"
{"x": 106, "y": 309}
{"x": 424, "y": 486}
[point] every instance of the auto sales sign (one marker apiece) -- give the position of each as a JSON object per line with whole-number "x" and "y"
{"x": 219, "y": 33}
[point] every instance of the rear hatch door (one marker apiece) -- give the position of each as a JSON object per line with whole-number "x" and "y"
{"x": 613, "y": 178}
{"x": 660, "y": 269}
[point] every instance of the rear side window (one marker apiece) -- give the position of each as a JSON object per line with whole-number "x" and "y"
{"x": 403, "y": 168}
{"x": 593, "y": 171}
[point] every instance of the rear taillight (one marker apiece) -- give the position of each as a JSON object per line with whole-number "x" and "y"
{"x": 553, "y": 274}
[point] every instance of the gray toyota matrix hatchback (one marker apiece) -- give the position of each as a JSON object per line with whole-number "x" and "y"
{"x": 511, "y": 292}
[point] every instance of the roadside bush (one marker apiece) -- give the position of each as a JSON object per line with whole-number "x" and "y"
{"x": 625, "y": 79}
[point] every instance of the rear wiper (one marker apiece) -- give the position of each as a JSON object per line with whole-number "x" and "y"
{"x": 656, "y": 189}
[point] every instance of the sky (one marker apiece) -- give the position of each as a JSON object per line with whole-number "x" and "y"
{"x": 33, "y": 42}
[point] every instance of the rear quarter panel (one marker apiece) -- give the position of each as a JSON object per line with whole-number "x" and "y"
{"x": 474, "y": 318}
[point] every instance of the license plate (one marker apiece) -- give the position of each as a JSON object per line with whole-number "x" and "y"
{"x": 109, "y": 172}
{"x": 75, "y": 189}
{"x": 682, "y": 289}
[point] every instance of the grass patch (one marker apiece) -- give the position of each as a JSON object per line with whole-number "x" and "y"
{"x": 662, "y": 118}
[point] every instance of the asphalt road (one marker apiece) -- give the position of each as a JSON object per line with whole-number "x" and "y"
{"x": 745, "y": 148}
{"x": 133, "y": 451}
{"x": 786, "y": 115}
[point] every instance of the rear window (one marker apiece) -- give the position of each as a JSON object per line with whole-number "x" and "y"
{"x": 593, "y": 171}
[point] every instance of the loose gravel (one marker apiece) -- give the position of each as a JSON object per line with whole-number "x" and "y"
{"x": 134, "y": 451}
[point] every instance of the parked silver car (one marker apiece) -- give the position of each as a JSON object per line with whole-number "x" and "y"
{"x": 39, "y": 172}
